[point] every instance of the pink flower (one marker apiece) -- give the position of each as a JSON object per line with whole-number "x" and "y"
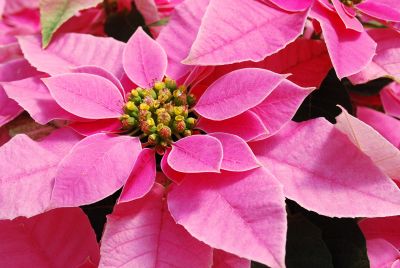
{"x": 383, "y": 241}
{"x": 227, "y": 183}
{"x": 270, "y": 29}
{"x": 32, "y": 242}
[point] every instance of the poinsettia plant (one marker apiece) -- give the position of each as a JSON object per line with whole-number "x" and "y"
{"x": 221, "y": 134}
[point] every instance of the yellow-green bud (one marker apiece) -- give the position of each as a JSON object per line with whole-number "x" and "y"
{"x": 187, "y": 133}
{"x": 170, "y": 83}
{"x": 159, "y": 86}
{"x": 178, "y": 110}
{"x": 124, "y": 116}
{"x": 153, "y": 139}
{"x": 150, "y": 121}
{"x": 144, "y": 106}
{"x": 191, "y": 100}
{"x": 130, "y": 106}
{"x": 190, "y": 122}
{"x": 164, "y": 95}
{"x": 179, "y": 118}
{"x": 163, "y": 118}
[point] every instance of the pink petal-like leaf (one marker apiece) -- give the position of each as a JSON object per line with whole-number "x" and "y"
{"x": 350, "y": 22}
{"x": 95, "y": 168}
{"x": 86, "y": 95}
{"x": 60, "y": 238}
{"x": 386, "y": 62}
{"x": 170, "y": 173}
{"x": 72, "y": 50}
{"x": 182, "y": 29}
{"x": 142, "y": 177}
{"x": 16, "y": 69}
{"x": 237, "y": 155}
{"x": 196, "y": 154}
{"x": 97, "y": 126}
{"x": 33, "y": 95}
{"x": 388, "y": 10}
{"x": 100, "y": 72}
{"x": 281, "y": 105}
{"x": 381, "y": 253}
{"x": 60, "y": 141}
{"x": 387, "y": 126}
{"x": 292, "y": 5}
{"x": 236, "y": 92}
{"x": 235, "y": 30}
{"x": 386, "y": 228}
{"x": 222, "y": 259}
{"x": 350, "y": 51}
{"x": 142, "y": 233}
{"x": 307, "y": 60}
{"x": 31, "y": 168}
{"x": 390, "y": 98}
{"x": 381, "y": 151}
{"x": 9, "y": 109}
{"x": 323, "y": 171}
{"x": 234, "y": 212}
{"x": 247, "y": 125}
{"x": 144, "y": 60}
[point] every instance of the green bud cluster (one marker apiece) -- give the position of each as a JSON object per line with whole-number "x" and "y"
{"x": 159, "y": 114}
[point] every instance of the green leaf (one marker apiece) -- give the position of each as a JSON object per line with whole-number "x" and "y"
{"x": 304, "y": 245}
{"x": 53, "y": 13}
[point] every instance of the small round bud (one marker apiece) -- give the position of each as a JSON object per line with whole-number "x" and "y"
{"x": 153, "y": 139}
{"x": 135, "y": 93}
{"x": 179, "y": 118}
{"x": 124, "y": 117}
{"x": 170, "y": 83}
{"x": 178, "y": 110}
{"x": 163, "y": 118}
{"x": 165, "y": 132}
{"x": 156, "y": 104}
{"x": 137, "y": 100}
{"x": 187, "y": 133}
{"x": 130, "y": 106}
{"x": 164, "y": 95}
{"x": 191, "y": 100}
{"x": 159, "y": 86}
{"x": 191, "y": 122}
{"x": 150, "y": 122}
{"x": 179, "y": 126}
{"x": 169, "y": 108}
{"x": 144, "y": 106}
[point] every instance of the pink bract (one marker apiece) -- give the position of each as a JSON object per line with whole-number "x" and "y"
{"x": 227, "y": 185}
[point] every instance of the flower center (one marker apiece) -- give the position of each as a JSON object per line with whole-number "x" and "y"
{"x": 159, "y": 115}
{"x": 350, "y": 2}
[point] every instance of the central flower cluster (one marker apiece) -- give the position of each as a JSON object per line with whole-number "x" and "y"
{"x": 160, "y": 114}
{"x": 350, "y": 2}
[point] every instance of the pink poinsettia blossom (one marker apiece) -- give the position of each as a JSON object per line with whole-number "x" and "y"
{"x": 383, "y": 241}
{"x": 224, "y": 187}
{"x": 350, "y": 46}
{"x": 34, "y": 242}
